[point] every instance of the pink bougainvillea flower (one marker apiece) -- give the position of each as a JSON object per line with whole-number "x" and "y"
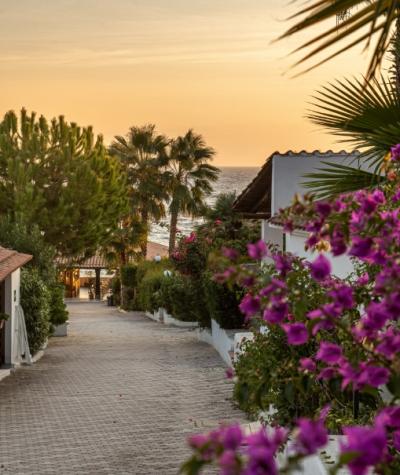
{"x": 258, "y": 250}
{"x": 250, "y": 305}
{"x": 395, "y": 153}
{"x": 307, "y": 364}
{"x": 311, "y": 436}
{"x": 320, "y": 268}
{"x": 229, "y": 373}
{"x": 329, "y": 353}
{"x": 230, "y": 253}
{"x": 276, "y": 312}
{"x": 361, "y": 247}
{"x": 369, "y": 443}
{"x": 296, "y": 333}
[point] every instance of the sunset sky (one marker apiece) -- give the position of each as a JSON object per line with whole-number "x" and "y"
{"x": 202, "y": 64}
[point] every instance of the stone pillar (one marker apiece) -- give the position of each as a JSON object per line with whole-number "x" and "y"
{"x": 97, "y": 286}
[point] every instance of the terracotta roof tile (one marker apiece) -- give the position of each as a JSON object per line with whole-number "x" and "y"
{"x": 10, "y": 261}
{"x": 98, "y": 261}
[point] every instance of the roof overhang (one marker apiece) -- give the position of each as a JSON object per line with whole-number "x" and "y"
{"x": 10, "y": 261}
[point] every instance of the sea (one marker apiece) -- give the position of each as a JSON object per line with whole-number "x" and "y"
{"x": 230, "y": 179}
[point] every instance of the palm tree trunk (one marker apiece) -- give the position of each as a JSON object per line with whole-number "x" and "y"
{"x": 122, "y": 290}
{"x": 143, "y": 245}
{"x": 172, "y": 231}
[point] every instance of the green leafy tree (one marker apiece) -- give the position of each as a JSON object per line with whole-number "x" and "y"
{"x": 59, "y": 176}
{"x": 141, "y": 153}
{"x": 190, "y": 177}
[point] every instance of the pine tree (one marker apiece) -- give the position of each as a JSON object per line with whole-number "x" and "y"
{"x": 59, "y": 177}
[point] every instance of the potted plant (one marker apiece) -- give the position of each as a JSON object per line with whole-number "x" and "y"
{"x": 3, "y": 318}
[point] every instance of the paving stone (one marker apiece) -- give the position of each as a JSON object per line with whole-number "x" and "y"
{"x": 119, "y": 395}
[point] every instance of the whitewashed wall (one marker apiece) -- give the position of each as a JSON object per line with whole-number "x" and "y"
{"x": 288, "y": 174}
{"x": 341, "y": 265}
{"x": 12, "y": 300}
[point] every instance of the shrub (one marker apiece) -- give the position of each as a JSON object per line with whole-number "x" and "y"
{"x": 150, "y": 284}
{"x": 116, "y": 290}
{"x": 58, "y": 309}
{"x": 128, "y": 275}
{"x": 267, "y": 374}
{"x": 35, "y": 300}
{"x": 129, "y": 283}
{"x": 183, "y": 298}
{"x": 223, "y": 302}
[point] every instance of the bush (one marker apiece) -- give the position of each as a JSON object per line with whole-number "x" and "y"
{"x": 147, "y": 298}
{"x": 267, "y": 374}
{"x": 183, "y": 298}
{"x": 58, "y": 309}
{"x": 223, "y": 303}
{"x": 128, "y": 275}
{"x": 116, "y": 290}
{"x": 30, "y": 240}
{"x": 35, "y": 300}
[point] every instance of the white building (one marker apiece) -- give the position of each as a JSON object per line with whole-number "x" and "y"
{"x": 280, "y": 178}
{"x": 11, "y": 329}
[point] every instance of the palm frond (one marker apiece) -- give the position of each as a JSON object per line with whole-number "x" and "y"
{"x": 367, "y": 117}
{"x": 335, "y": 179}
{"x": 373, "y": 19}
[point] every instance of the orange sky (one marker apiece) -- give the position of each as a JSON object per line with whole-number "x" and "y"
{"x": 202, "y": 64}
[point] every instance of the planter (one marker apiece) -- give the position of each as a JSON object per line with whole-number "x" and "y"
{"x": 170, "y": 320}
{"x": 156, "y": 316}
{"x": 61, "y": 330}
{"x": 204, "y": 335}
{"x": 223, "y": 342}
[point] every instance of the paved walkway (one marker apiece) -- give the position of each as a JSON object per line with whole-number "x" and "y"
{"x": 118, "y": 396}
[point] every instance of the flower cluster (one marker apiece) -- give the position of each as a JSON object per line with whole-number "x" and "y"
{"x": 355, "y": 326}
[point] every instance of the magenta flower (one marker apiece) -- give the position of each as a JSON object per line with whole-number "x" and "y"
{"x": 361, "y": 247}
{"x": 229, "y": 373}
{"x": 283, "y": 263}
{"x": 329, "y": 353}
{"x": 343, "y": 295}
{"x": 323, "y": 209}
{"x": 395, "y": 153}
{"x": 307, "y": 364}
{"x": 258, "y": 250}
{"x": 320, "y": 268}
{"x": 296, "y": 333}
{"x": 250, "y": 305}
{"x": 311, "y": 436}
{"x": 230, "y": 253}
{"x": 276, "y": 313}
{"x": 369, "y": 443}
{"x": 232, "y": 437}
{"x": 374, "y": 376}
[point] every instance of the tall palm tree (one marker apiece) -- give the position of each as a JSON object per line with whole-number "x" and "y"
{"x": 190, "y": 176}
{"x": 141, "y": 153}
{"x": 375, "y": 18}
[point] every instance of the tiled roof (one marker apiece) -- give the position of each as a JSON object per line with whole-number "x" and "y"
{"x": 10, "y": 261}
{"x": 98, "y": 261}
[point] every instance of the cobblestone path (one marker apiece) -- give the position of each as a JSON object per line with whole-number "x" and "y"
{"x": 117, "y": 396}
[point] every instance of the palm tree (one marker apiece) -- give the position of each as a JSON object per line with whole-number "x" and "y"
{"x": 371, "y": 19}
{"x": 190, "y": 177}
{"x": 141, "y": 153}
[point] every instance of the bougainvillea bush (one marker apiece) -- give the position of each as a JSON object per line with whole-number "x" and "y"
{"x": 363, "y": 353}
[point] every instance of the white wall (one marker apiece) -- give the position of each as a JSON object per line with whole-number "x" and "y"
{"x": 288, "y": 174}
{"x": 12, "y": 300}
{"x": 271, "y": 234}
{"x": 341, "y": 265}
